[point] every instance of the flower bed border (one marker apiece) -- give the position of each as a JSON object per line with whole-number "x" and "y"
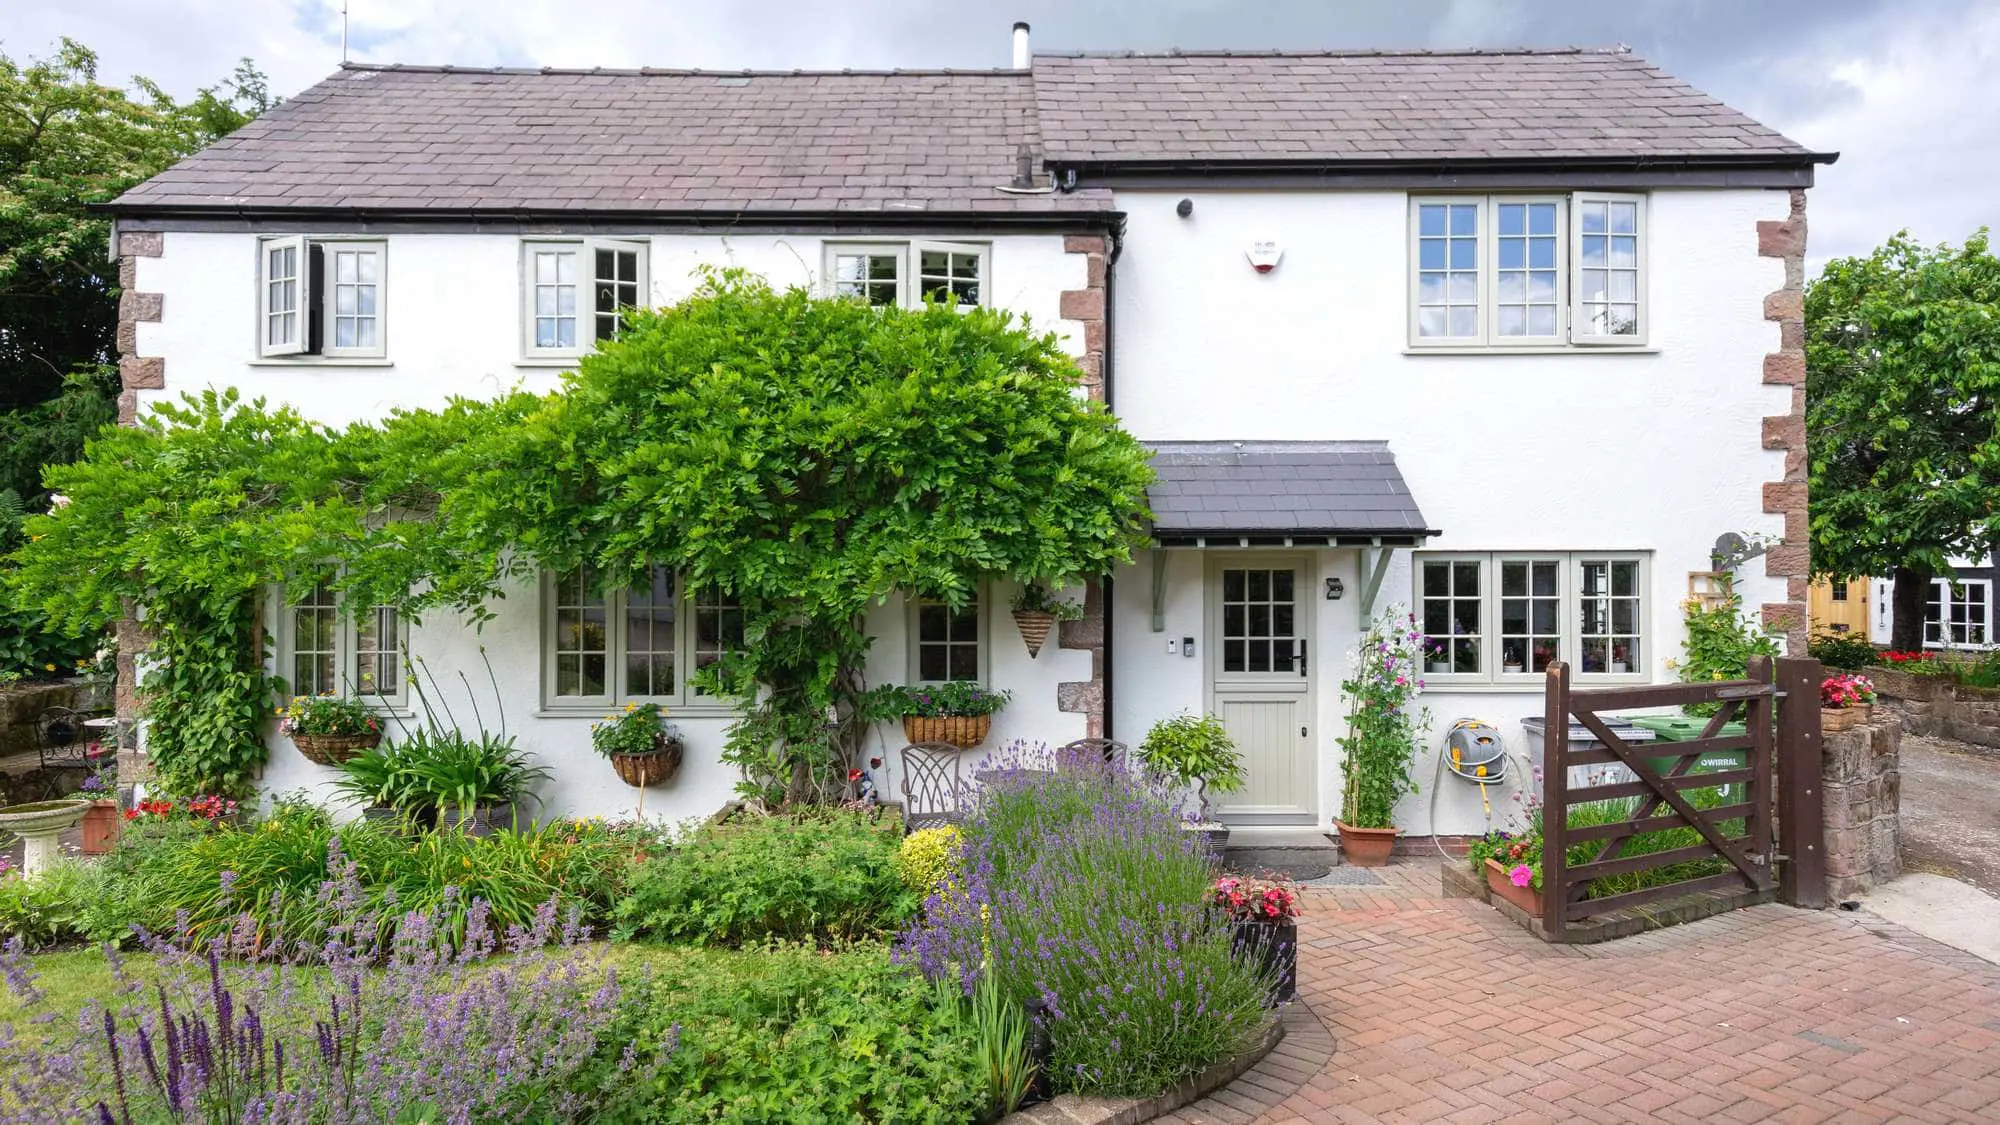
{"x": 1460, "y": 882}
{"x": 1075, "y": 1109}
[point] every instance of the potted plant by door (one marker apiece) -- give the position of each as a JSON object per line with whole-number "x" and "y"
{"x": 1845, "y": 700}
{"x": 958, "y": 712}
{"x": 1036, "y": 611}
{"x": 643, "y": 749}
{"x": 328, "y": 729}
{"x": 1264, "y": 916}
{"x": 1384, "y": 723}
{"x": 1195, "y": 752}
{"x": 382, "y": 780}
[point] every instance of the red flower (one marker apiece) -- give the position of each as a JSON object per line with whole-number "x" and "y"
{"x": 854, "y": 775}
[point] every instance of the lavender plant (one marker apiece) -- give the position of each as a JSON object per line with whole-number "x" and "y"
{"x": 1083, "y": 896}
{"x": 341, "y": 1029}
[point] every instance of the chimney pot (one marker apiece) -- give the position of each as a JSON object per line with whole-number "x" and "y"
{"x": 1022, "y": 56}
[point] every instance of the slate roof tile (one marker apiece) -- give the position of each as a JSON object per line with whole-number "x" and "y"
{"x": 1264, "y": 486}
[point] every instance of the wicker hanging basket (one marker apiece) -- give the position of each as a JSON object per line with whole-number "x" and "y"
{"x": 962, "y": 731}
{"x": 333, "y": 749}
{"x": 656, "y": 767}
{"x": 1035, "y": 625}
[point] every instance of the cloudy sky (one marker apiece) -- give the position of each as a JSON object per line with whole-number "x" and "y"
{"x": 1908, "y": 93}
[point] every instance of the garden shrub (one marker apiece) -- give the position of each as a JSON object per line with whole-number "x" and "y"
{"x": 69, "y": 902}
{"x": 1842, "y": 650}
{"x": 274, "y": 872}
{"x": 824, "y": 876}
{"x": 1084, "y": 893}
{"x": 787, "y": 1034}
{"x": 1719, "y": 643}
{"x": 928, "y": 859}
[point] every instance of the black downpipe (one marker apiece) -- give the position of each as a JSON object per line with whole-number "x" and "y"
{"x": 1110, "y": 348}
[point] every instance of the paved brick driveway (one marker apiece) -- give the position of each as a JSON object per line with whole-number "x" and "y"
{"x": 1440, "y": 1010}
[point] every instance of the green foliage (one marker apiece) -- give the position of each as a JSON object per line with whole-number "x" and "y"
{"x": 1190, "y": 748}
{"x": 1037, "y": 598}
{"x": 329, "y": 714}
{"x": 447, "y": 770}
{"x": 810, "y": 457}
{"x": 637, "y": 731}
{"x": 70, "y": 901}
{"x": 788, "y": 1036}
{"x": 1000, "y": 1034}
{"x": 929, "y": 859}
{"x": 1718, "y": 643}
{"x": 953, "y": 697}
{"x": 381, "y": 777}
{"x": 1903, "y": 412}
{"x": 823, "y": 876}
{"x": 274, "y": 870}
{"x": 1384, "y": 720}
{"x": 1842, "y": 650}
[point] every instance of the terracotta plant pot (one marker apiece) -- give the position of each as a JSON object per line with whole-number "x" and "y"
{"x": 1275, "y": 945}
{"x": 962, "y": 731}
{"x": 1527, "y": 898}
{"x": 333, "y": 749}
{"x": 657, "y": 767}
{"x": 1841, "y": 718}
{"x": 1366, "y": 847}
{"x": 1035, "y": 625}
{"x": 102, "y": 824}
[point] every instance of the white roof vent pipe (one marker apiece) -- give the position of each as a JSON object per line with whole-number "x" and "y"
{"x": 1021, "y": 55}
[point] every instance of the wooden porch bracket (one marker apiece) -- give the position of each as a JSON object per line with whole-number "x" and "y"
{"x": 1371, "y": 579}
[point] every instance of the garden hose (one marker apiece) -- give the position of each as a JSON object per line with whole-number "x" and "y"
{"x": 1474, "y": 751}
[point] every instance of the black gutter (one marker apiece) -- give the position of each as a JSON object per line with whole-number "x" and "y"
{"x": 1213, "y": 166}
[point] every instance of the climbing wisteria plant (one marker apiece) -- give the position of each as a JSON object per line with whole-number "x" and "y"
{"x": 1384, "y": 719}
{"x": 806, "y": 457}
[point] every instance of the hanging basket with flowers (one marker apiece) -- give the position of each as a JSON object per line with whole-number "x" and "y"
{"x": 329, "y": 729}
{"x": 1036, "y": 611}
{"x": 644, "y": 749}
{"x": 958, "y": 712}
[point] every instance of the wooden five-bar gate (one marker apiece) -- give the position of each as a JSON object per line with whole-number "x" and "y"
{"x": 1779, "y": 848}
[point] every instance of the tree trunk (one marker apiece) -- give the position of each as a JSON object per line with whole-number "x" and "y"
{"x": 1912, "y": 592}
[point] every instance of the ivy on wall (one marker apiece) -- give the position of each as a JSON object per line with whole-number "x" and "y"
{"x": 807, "y": 457}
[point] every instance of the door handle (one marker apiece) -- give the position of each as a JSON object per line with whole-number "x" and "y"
{"x": 1299, "y": 655}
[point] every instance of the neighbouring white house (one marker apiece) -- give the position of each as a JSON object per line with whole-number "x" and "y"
{"x": 1958, "y": 611}
{"x": 1505, "y": 337}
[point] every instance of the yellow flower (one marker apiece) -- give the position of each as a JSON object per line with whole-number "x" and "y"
{"x": 631, "y": 707}
{"x": 49, "y": 667}
{"x": 465, "y": 861}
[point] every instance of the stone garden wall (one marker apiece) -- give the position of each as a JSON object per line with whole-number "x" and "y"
{"x": 1935, "y": 707}
{"x": 1863, "y": 786}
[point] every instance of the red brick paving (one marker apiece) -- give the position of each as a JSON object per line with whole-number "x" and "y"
{"x": 1442, "y": 1010}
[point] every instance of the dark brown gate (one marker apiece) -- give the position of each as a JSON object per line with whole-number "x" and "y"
{"x": 1781, "y": 747}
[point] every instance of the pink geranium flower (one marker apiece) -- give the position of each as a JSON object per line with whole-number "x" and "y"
{"x": 1521, "y": 876}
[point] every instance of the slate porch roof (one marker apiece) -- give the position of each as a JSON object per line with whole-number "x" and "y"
{"x": 901, "y": 145}
{"x": 1281, "y": 488}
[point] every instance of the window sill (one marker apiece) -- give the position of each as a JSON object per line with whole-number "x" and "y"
{"x": 569, "y": 361}
{"x": 704, "y": 710}
{"x": 319, "y": 361}
{"x": 1537, "y": 349}
{"x": 1436, "y": 686}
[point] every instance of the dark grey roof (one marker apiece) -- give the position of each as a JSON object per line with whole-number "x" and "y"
{"x": 445, "y": 139}
{"x": 1423, "y": 105}
{"x": 1280, "y": 488}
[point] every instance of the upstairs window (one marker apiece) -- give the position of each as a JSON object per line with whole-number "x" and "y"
{"x": 1505, "y": 271}
{"x": 322, "y": 297}
{"x": 908, "y": 274}
{"x": 576, "y": 293}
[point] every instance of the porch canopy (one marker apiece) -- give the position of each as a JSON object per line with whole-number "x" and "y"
{"x": 1285, "y": 494}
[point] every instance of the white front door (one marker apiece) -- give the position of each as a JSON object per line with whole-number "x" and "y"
{"x": 1260, "y": 684}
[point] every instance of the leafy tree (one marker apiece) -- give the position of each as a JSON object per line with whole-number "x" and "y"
{"x": 811, "y": 457}
{"x": 1903, "y": 416}
{"x": 67, "y": 141}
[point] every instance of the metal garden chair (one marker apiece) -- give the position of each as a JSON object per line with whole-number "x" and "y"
{"x": 935, "y": 791}
{"x": 1091, "y": 751}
